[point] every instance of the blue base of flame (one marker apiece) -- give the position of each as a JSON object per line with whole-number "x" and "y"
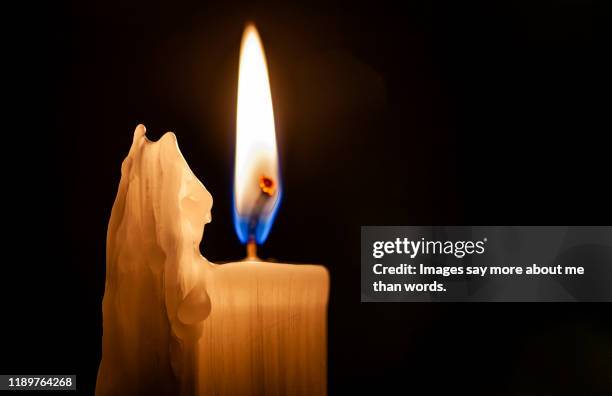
{"x": 264, "y": 225}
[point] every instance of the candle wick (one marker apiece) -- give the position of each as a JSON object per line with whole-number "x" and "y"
{"x": 252, "y": 251}
{"x": 267, "y": 188}
{"x": 253, "y": 222}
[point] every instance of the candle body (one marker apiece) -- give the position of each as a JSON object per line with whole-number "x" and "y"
{"x": 176, "y": 324}
{"x": 266, "y": 333}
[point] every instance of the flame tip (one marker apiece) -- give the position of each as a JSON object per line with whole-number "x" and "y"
{"x": 250, "y": 30}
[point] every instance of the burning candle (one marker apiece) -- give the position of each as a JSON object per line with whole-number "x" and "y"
{"x": 175, "y": 323}
{"x": 275, "y": 312}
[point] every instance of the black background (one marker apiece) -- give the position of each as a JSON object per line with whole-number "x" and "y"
{"x": 489, "y": 113}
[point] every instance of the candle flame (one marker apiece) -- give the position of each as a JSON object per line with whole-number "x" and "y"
{"x": 257, "y": 189}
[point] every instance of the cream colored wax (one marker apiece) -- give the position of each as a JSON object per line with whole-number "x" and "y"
{"x": 174, "y": 323}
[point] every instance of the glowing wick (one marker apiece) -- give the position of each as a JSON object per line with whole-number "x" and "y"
{"x": 267, "y": 187}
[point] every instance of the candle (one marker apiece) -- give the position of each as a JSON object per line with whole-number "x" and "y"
{"x": 175, "y": 323}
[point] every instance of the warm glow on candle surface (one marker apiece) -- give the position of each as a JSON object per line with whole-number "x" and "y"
{"x": 257, "y": 189}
